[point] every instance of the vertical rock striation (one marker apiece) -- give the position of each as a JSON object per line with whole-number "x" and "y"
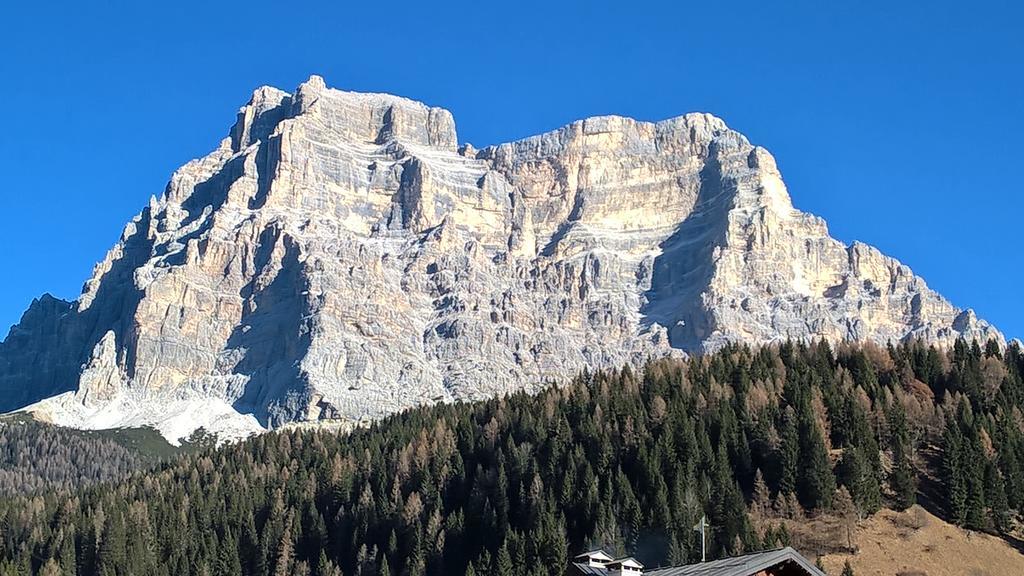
{"x": 340, "y": 257}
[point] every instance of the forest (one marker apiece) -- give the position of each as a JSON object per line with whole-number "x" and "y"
{"x": 36, "y": 456}
{"x": 626, "y": 459}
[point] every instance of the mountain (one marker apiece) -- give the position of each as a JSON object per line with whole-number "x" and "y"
{"x": 340, "y": 257}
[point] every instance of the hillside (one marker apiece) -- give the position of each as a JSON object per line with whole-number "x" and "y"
{"x": 36, "y": 456}
{"x": 760, "y": 440}
{"x": 340, "y": 257}
{"x": 917, "y": 543}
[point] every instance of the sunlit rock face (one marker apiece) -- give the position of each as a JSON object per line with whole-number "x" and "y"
{"x": 340, "y": 257}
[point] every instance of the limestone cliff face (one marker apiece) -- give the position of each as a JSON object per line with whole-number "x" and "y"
{"x": 340, "y": 257}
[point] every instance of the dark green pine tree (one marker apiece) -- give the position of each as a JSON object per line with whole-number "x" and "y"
{"x": 677, "y": 552}
{"x": 955, "y": 473}
{"x": 902, "y": 481}
{"x": 871, "y": 492}
{"x": 228, "y": 562}
{"x": 111, "y": 558}
{"x": 817, "y": 482}
{"x": 503, "y": 561}
{"x": 789, "y": 456}
{"x": 728, "y": 509}
{"x": 1009, "y": 463}
{"x": 992, "y": 350}
{"x": 976, "y": 513}
{"x": 995, "y": 493}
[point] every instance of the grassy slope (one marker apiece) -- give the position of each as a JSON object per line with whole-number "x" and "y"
{"x": 917, "y": 543}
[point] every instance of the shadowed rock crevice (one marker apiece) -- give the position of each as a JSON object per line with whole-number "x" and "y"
{"x": 683, "y": 270}
{"x": 210, "y": 195}
{"x": 563, "y": 229}
{"x": 273, "y": 335}
{"x": 267, "y": 157}
{"x": 257, "y": 120}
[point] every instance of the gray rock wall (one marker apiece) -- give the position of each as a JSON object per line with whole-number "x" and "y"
{"x": 338, "y": 258}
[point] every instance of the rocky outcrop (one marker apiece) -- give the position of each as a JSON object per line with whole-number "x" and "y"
{"x": 340, "y": 257}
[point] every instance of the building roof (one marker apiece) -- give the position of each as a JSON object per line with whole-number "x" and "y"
{"x": 747, "y": 565}
{"x": 627, "y": 561}
{"x": 586, "y": 569}
{"x": 595, "y": 553}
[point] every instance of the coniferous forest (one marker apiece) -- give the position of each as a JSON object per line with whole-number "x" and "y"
{"x": 36, "y": 456}
{"x": 628, "y": 459}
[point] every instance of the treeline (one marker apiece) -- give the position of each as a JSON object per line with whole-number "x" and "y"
{"x": 983, "y": 445}
{"x": 625, "y": 460}
{"x": 36, "y": 456}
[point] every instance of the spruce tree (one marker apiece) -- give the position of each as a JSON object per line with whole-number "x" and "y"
{"x": 955, "y": 473}
{"x": 976, "y": 516}
{"x": 816, "y": 479}
{"x": 901, "y": 477}
{"x": 503, "y": 562}
{"x": 996, "y": 496}
{"x": 789, "y": 453}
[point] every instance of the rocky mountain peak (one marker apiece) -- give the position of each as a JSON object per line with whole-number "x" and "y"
{"x": 339, "y": 257}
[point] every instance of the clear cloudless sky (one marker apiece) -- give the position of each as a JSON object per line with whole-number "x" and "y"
{"x": 898, "y": 122}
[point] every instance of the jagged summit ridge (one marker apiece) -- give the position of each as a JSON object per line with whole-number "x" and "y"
{"x": 339, "y": 257}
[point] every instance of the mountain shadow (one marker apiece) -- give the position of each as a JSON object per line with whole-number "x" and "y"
{"x": 684, "y": 268}
{"x": 273, "y": 336}
{"x": 43, "y": 354}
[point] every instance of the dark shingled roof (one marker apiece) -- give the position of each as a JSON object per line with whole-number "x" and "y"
{"x": 588, "y": 570}
{"x": 747, "y": 565}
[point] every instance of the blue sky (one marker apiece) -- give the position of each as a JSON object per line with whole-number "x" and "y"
{"x": 898, "y": 122}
